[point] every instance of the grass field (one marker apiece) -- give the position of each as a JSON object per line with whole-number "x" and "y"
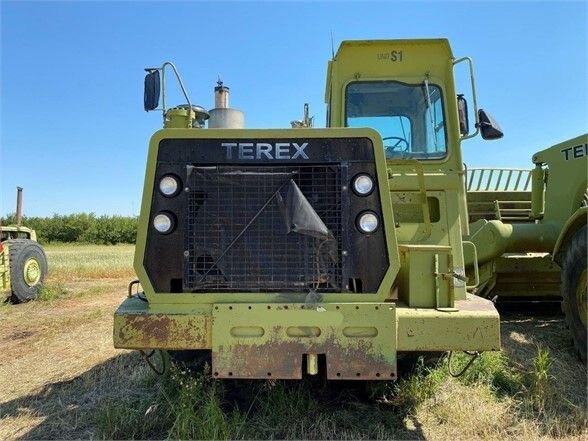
{"x": 60, "y": 378}
{"x": 69, "y": 262}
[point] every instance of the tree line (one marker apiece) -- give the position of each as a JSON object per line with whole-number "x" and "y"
{"x": 81, "y": 228}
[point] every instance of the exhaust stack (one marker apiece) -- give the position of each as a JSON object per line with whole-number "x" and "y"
{"x": 222, "y": 116}
{"x": 18, "y": 206}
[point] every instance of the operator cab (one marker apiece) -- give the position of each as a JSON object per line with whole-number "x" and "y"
{"x": 409, "y": 117}
{"x": 405, "y": 90}
{"x": 13, "y": 233}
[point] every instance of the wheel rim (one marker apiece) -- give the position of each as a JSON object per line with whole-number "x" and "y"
{"x": 32, "y": 272}
{"x": 581, "y": 297}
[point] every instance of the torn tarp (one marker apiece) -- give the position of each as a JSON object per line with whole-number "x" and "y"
{"x": 299, "y": 216}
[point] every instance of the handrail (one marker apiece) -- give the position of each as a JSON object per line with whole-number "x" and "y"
{"x": 498, "y": 179}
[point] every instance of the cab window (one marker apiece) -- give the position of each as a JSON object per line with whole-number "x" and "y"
{"x": 410, "y": 121}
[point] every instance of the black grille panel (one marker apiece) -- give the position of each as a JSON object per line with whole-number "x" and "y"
{"x": 249, "y": 228}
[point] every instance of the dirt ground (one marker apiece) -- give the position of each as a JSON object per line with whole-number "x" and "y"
{"x": 524, "y": 327}
{"x": 48, "y": 344}
{"x": 57, "y": 363}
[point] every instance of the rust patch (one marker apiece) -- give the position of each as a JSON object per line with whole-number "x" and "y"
{"x": 275, "y": 360}
{"x": 278, "y": 353}
{"x": 283, "y": 359}
{"x": 152, "y": 326}
{"x": 161, "y": 331}
{"x": 360, "y": 361}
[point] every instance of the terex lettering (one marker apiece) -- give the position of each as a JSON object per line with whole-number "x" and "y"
{"x": 575, "y": 152}
{"x": 264, "y": 150}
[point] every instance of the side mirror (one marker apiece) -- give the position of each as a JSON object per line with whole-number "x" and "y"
{"x": 152, "y": 87}
{"x": 489, "y": 128}
{"x": 462, "y": 111}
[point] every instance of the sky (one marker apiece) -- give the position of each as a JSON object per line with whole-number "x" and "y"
{"x": 74, "y": 134}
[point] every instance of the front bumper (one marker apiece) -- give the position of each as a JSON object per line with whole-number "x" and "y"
{"x": 271, "y": 340}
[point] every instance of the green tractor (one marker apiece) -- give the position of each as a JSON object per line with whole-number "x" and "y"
{"x": 23, "y": 264}
{"x": 529, "y": 231}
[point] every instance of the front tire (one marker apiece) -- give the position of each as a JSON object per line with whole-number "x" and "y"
{"x": 28, "y": 269}
{"x": 574, "y": 289}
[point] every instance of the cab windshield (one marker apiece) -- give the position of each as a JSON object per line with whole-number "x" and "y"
{"x": 411, "y": 123}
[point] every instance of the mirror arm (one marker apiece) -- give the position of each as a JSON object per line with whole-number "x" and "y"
{"x": 180, "y": 82}
{"x": 475, "y": 101}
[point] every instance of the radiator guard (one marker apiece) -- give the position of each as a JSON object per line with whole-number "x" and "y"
{"x": 264, "y": 228}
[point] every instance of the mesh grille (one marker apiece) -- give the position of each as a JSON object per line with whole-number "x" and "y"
{"x": 240, "y": 235}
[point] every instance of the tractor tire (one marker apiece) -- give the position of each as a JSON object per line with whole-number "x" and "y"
{"x": 28, "y": 268}
{"x": 573, "y": 289}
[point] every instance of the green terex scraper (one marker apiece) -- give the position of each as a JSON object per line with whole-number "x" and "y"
{"x": 280, "y": 252}
{"x": 529, "y": 228}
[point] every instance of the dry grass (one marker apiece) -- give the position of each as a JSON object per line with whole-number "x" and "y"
{"x": 523, "y": 333}
{"x": 67, "y": 409}
{"x": 467, "y": 412}
{"x": 53, "y": 341}
{"x": 83, "y": 262}
{"x": 60, "y": 378}
{"x": 53, "y": 351}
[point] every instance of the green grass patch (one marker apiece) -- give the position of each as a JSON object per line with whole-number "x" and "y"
{"x": 185, "y": 405}
{"x": 194, "y": 406}
{"x": 422, "y": 384}
{"x": 491, "y": 369}
{"x": 52, "y": 291}
{"x": 195, "y": 403}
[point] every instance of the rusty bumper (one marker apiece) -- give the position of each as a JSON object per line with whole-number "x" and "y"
{"x": 136, "y": 326}
{"x": 273, "y": 340}
{"x": 270, "y": 340}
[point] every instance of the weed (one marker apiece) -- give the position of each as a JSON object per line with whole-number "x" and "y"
{"x": 539, "y": 378}
{"x": 491, "y": 369}
{"x": 189, "y": 406}
{"x": 311, "y": 409}
{"x": 421, "y": 385}
{"x": 52, "y": 291}
{"x": 196, "y": 406}
{"x": 528, "y": 393}
{"x": 283, "y": 408}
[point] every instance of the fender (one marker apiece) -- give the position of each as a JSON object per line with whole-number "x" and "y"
{"x": 574, "y": 223}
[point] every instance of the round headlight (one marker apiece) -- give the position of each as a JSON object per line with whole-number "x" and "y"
{"x": 169, "y": 185}
{"x": 363, "y": 184}
{"x": 367, "y": 222}
{"x": 163, "y": 223}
